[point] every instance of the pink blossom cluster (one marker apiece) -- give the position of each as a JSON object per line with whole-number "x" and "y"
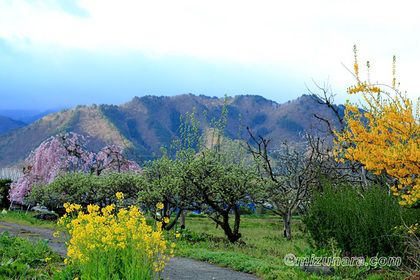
{"x": 111, "y": 158}
{"x": 67, "y": 153}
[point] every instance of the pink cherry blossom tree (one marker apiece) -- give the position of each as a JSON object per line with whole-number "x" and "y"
{"x": 111, "y": 158}
{"x": 67, "y": 153}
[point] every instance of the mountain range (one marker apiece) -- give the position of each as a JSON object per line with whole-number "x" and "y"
{"x": 145, "y": 124}
{"x": 7, "y": 124}
{"x": 27, "y": 116}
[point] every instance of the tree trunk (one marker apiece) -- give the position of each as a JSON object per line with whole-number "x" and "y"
{"x": 183, "y": 220}
{"x": 287, "y": 220}
{"x": 172, "y": 224}
{"x": 232, "y": 236}
{"x": 237, "y": 221}
{"x": 224, "y": 224}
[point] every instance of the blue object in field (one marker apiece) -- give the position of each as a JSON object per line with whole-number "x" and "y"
{"x": 252, "y": 206}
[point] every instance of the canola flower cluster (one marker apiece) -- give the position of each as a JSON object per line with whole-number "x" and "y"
{"x": 114, "y": 241}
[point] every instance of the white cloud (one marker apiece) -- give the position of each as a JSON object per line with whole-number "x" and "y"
{"x": 309, "y": 38}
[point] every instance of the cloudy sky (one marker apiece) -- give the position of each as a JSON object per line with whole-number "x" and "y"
{"x": 61, "y": 53}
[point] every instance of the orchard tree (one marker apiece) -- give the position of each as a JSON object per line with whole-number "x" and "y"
{"x": 384, "y": 135}
{"x": 221, "y": 182}
{"x": 161, "y": 185}
{"x": 290, "y": 173}
{"x": 63, "y": 154}
{"x": 208, "y": 173}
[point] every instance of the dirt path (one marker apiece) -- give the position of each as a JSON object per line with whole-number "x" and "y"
{"x": 176, "y": 269}
{"x": 34, "y": 234}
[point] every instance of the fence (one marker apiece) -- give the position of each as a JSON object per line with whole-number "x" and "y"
{"x": 11, "y": 173}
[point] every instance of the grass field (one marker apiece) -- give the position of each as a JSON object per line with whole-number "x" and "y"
{"x": 260, "y": 251}
{"x": 262, "y": 248}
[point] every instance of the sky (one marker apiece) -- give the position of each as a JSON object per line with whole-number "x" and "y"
{"x": 62, "y": 53}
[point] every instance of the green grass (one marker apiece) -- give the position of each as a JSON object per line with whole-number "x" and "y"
{"x": 22, "y": 259}
{"x": 261, "y": 249}
{"x": 23, "y": 218}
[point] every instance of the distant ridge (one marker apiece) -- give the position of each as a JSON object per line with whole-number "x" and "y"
{"x": 7, "y": 124}
{"x": 27, "y": 116}
{"x": 18, "y": 114}
{"x": 146, "y": 123}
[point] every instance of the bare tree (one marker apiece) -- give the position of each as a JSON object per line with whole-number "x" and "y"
{"x": 351, "y": 171}
{"x": 325, "y": 97}
{"x": 288, "y": 175}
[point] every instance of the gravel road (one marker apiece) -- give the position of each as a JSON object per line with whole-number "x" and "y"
{"x": 176, "y": 268}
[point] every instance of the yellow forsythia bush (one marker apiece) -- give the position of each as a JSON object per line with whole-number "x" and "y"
{"x": 384, "y": 136}
{"x": 113, "y": 243}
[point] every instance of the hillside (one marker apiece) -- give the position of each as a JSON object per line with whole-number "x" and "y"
{"x": 7, "y": 124}
{"x": 146, "y": 123}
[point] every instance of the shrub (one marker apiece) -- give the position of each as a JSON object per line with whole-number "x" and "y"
{"x": 74, "y": 187}
{"x": 4, "y": 192}
{"x": 82, "y": 188}
{"x": 362, "y": 223}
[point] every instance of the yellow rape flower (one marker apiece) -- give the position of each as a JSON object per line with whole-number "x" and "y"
{"x": 100, "y": 234}
{"x": 159, "y": 205}
{"x": 119, "y": 195}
